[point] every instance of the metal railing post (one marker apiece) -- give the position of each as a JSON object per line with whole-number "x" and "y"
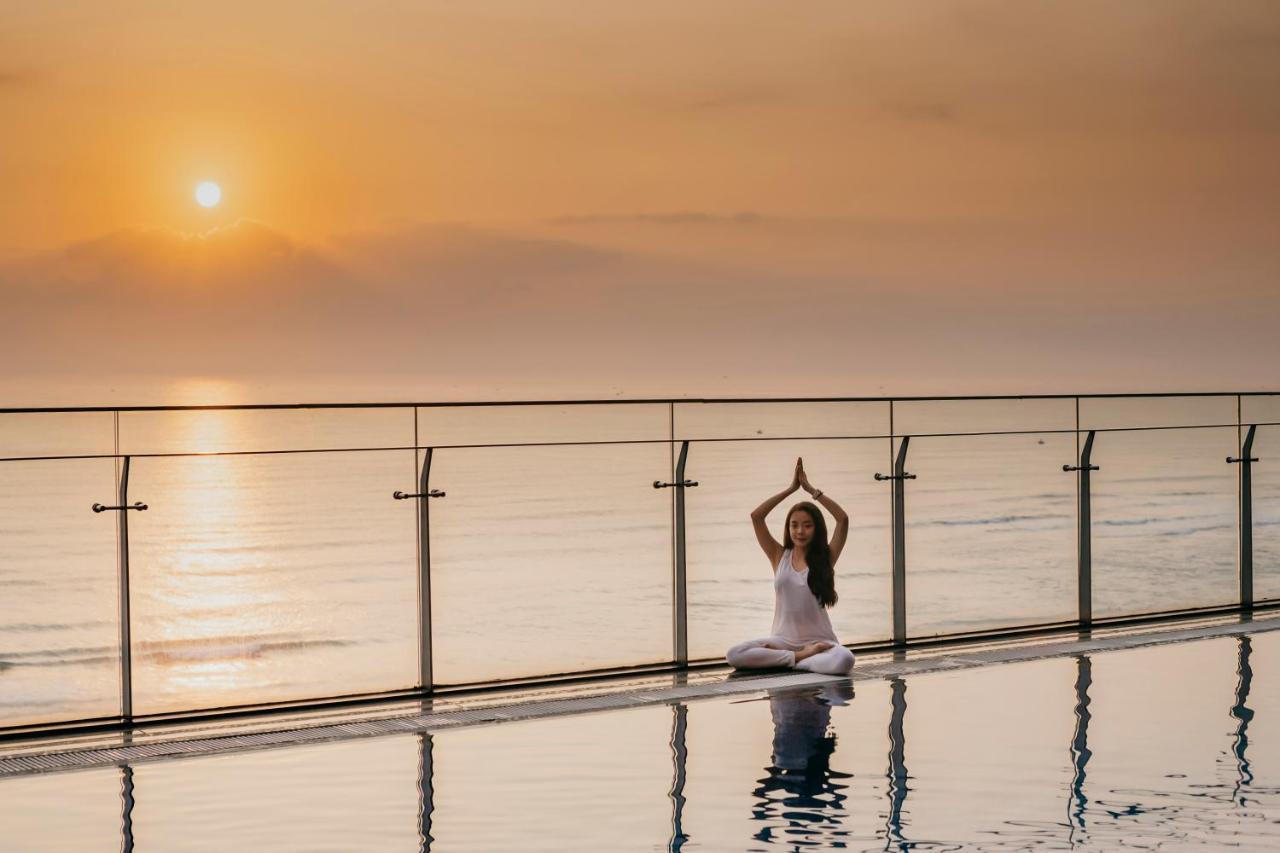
{"x": 424, "y": 569}
{"x": 122, "y": 585}
{"x": 122, "y": 564}
{"x": 126, "y": 634}
{"x": 1084, "y": 533}
{"x": 424, "y": 576}
{"x": 1246, "y": 460}
{"x": 899, "y": 478}
{"x": 680, "y": 593}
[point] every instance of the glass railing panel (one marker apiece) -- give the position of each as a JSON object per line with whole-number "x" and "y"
{"x": 272, "y": 577}
{"x": 990, "y": 532}
{"x": 1164, "y": 520}
{"x": 1139, "y": 412}
{"x": 709, "y": 421}
{"x": 729, "y": 578}
{"x": 440, "y": 426}
{"x": 549, "y": 560}
{"x": 28, "y": 434}
{"x": 1265, "y": 474}
{"x": 257, "y": 430}
{"x": 944, "y": 417}
{"x": 59, "y": 610}
{"x": 1260, "y": 409}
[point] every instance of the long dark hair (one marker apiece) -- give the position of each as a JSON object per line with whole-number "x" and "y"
{"x": 822, "y": 579}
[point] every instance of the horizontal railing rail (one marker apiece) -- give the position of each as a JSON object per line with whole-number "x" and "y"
{"x": 423, "y": 404}
{"x": 675, "y": 478}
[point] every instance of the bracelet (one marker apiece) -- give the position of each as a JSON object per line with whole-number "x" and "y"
{"x": 816, "y": 495}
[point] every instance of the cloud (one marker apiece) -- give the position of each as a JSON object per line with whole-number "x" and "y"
{"x": 14, "y": 78}
{"x": 926, "y": 111}
{"x": 728, "y": 99}
{"x": 444, "y": 252}
{"x": 235, "y": 259}
{"x": 248, "y": 296}
{"x": 688, "y": 98}
{"x": 1262, "y": 45}
{"x": 515, "y": 308}
{"x": 684, "y": 217}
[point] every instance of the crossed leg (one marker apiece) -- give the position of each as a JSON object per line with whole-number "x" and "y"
{"x": 777, "y": 653}
{"x": 768, "y": 653}
{"x": 836, "y": 660}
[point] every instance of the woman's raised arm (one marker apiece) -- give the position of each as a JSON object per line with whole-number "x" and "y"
{"x": 772, "y": 547}
{"x": 841, "y": 533}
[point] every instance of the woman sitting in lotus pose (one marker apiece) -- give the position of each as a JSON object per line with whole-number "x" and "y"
{"x": 803, "y": 585}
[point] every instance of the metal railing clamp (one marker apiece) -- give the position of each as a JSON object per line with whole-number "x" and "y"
{"x": 138, "y": 505}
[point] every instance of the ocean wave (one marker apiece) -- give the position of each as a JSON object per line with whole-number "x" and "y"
{"x": 22, "y": 627}
{"x": 43, "y": 659}
{"x": 219, "y": 648}
{"x": 999, "y": 519}
{"x": 214, "y": 648}
{"x": 1190, "y": 530}
{"x": 1124, "y": 522}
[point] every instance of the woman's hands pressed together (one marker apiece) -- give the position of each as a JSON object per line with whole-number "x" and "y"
{"x": 801, "y": 479}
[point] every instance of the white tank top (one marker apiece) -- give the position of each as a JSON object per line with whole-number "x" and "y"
{"x": 797, "y": 615}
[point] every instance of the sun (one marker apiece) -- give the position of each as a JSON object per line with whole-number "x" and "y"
{"x": 208, "y": 194}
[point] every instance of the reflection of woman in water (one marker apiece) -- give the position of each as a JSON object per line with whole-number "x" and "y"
{"x": 803, "y": 585}
{"x": 799, "y": 797}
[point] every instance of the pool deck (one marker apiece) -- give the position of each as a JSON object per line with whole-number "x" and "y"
{"x": 176, "y": 740}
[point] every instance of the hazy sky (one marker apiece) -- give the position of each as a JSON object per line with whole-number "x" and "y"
{"x": 586, "y": 199}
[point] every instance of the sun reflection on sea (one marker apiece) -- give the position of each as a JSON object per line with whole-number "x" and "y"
{"x": 207, "y": 601}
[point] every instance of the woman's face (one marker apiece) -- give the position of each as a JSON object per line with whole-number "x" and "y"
{"x": 800, "y": 526}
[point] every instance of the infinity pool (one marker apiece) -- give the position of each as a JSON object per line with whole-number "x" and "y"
{"x": 1164, "y": 747}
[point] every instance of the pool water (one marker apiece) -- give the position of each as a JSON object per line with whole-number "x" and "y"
{"x": 1164, "y": 747}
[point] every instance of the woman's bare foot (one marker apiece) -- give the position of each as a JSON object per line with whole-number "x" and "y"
{"x": 812, "y": 649}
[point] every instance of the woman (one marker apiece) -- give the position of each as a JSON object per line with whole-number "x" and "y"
{"x": 803, "y": 586}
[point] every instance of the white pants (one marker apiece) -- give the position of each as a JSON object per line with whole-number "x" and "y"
{"x": 752, "y": 654}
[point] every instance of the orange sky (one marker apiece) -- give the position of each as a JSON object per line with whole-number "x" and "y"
{"x": 985, "y": 168}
